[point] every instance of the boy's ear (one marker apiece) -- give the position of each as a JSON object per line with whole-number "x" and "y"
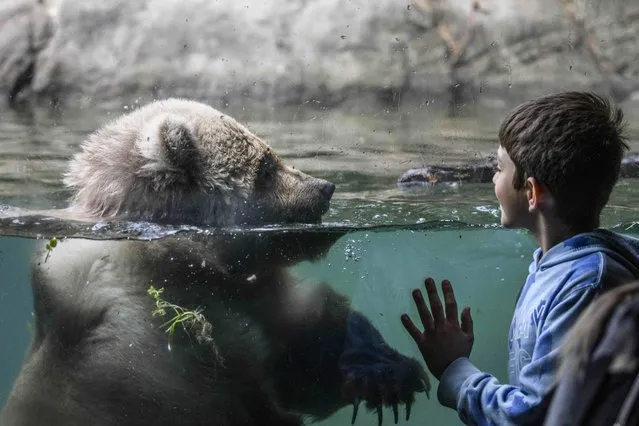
{"x": 536, "y": 193}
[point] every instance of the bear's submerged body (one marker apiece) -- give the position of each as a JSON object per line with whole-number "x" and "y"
{"x": 265, "y": 348}
{"x": 98, "y": 345}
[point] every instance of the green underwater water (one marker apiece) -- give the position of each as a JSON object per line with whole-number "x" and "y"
{"x": 377, "y": 269}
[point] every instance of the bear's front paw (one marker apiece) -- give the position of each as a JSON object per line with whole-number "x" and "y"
{"x": 376, "y": 373}
{"x": 387, "y": 382}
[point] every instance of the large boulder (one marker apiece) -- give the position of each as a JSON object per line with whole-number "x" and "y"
{"x": 331, "y": 51}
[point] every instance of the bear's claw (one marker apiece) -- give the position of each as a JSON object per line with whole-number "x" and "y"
{"x": 360, "y": 388}
{"x": 376, "y": 373}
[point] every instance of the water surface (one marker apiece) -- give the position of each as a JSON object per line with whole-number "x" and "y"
{"x": 363, "y": 154}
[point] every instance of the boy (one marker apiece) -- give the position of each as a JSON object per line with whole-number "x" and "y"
{"x": 558, "y": 161}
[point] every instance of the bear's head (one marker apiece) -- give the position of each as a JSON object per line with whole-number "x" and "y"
{"x": 179, "y": 161}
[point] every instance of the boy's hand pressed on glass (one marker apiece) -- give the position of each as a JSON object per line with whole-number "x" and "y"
{"x": 443, "y": 340}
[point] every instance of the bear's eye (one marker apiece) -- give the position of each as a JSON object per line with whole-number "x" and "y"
{"x": 267, "y": 169}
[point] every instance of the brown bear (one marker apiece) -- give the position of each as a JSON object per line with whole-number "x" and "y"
{"x": 259, "y": 347}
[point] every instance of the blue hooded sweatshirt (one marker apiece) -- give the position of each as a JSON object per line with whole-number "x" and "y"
{"x": 560, "y": 285}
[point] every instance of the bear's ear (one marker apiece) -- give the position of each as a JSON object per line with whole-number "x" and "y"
{"x": 168, "y": 141}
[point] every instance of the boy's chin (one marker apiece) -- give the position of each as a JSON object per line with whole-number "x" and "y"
{"x": 511, "y": 224}
{"x": 505, "y": 221}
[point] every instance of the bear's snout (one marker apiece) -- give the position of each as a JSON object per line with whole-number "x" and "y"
{"x": 326, "y": 188}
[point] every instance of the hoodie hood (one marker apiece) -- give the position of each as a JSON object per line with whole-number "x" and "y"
{"x": 624, "y": 249}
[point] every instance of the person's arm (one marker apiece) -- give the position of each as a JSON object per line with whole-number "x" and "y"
{"x": 477, "y": 396}
{"x": 480, "y": 399}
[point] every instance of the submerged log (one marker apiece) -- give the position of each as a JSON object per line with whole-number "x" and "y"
{"x": 482, "y": 172}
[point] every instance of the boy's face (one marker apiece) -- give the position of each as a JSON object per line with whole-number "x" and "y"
{"x": 513, "y": 203}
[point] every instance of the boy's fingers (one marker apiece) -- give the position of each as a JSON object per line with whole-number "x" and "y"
{"x": 435, "y": 304}
{"x": 411, "y": 328}
{"x": 424, "y": 313}
{"x": 467, "y": 321}
{"x": 452, "y": 315}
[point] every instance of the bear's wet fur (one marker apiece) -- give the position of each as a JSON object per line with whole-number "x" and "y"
{"x": 183, "y": 161}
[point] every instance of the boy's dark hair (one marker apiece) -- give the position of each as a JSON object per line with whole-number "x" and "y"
{"x": 573, "y": 144}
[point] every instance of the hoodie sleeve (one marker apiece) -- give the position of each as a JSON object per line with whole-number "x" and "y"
{"x": 480, "y": 399}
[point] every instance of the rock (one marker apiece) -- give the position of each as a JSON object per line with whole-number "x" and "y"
{"x": 330, "y": 52}
{"x": 482, "y": 172}
{"x": 26, "y": 30}
{"x": 630, "y": 166}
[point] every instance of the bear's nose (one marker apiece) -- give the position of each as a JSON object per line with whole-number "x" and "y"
{"x": 327, "y": 189}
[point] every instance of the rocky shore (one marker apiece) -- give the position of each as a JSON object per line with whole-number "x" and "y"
{"x": 323, "y": 53}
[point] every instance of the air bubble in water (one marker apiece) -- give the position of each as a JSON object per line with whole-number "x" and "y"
{"x": 351, "y": 251}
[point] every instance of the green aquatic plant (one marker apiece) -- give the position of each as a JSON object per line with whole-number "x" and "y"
{"x": 53, "y": 243}
{"x": 190, "y": 320}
